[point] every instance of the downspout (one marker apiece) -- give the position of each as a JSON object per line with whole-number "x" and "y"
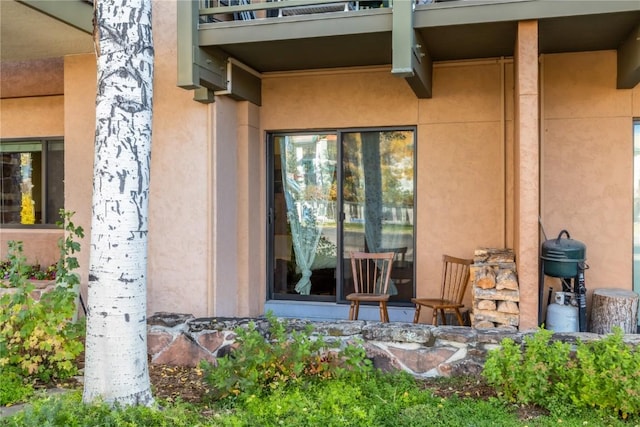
{"x": 503, "y": 147}
{"x": 212, "y": 264}
{"x": 541, "y": 142}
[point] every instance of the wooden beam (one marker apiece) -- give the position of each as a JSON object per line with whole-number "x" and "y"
{"x": 410, "y": 58}
{"x": 210, "y": 72}
{"x": 243, "y": 84}
{"x": 629, "y": 61}
{"x": 422, "y": 66}
{"x": 196, "y": 68}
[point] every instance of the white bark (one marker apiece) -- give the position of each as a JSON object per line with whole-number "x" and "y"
{"x": 116, "y": 368}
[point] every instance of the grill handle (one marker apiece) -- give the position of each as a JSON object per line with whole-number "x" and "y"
{"x": 560, "y": 235}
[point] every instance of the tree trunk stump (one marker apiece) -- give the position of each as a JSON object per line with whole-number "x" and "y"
{"x": 614, "y": 307}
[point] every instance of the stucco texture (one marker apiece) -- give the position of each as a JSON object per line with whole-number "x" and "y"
{"x": 477, "y": 164}
{"x": 178, "y": 257}
{"x": 25, "y": 117}
{"x": 587, "y": 162}
{"x": 460, "y": 155}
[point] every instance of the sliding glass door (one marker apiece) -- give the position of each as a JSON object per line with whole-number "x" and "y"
{"x": 333, "y": 193}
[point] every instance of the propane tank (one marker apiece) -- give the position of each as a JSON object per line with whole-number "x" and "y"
{"x": 562, "y": 314}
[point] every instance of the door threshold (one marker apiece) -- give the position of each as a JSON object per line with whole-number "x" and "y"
{"x": 329, "y": 311}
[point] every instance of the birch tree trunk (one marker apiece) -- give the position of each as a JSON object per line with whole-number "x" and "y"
{"x": 116, "y": 368}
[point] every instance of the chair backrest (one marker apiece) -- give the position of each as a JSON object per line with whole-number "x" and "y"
{"x": 400, "y": 253}
{"x": 371, "y": 271}
{"x": 455, "y": 278}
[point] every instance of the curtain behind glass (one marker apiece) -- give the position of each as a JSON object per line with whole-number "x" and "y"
{"x": 306, "y": 185}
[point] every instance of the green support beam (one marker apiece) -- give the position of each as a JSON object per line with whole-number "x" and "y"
{"x": 197, "y": 68}
{"x": 244, "y": 84}
{"x": 629, "y": 61}
{"x": 410, "y": 58}
{"x": 212, "y": 71}
{"x": 78, "y": 14}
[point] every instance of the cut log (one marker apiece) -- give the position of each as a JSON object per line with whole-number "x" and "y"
{"x": 508, "y": 307}
{"x": 486, "y": 304}
{"x": 485, "y": 278}
{"x": 506, "y": 279}
{"x": 484, "y": 324}
{"x": 497, "y": 317}
{"x": 502, "y": 295}
{"x": 614, "y": 307}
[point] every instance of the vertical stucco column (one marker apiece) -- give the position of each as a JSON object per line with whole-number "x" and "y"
{"x": 527, "y": 171}
{"x": 79, "y": 134}
{"x": 223, "y": 180}
{"x": 251, "y": 211}
{"x": 237, "y": 272}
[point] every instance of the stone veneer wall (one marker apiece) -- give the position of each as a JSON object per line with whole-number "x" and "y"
{"x": 420, "y": 349}
{"x": 40, "y": 287}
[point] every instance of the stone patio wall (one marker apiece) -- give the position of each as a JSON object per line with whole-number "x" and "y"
{"x": 40, "y": 287}
{"x": 420, "y": 349}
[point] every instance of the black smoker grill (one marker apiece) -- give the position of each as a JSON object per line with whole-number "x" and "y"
{"x": 565, "y": 259}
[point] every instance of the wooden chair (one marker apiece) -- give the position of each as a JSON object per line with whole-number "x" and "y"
{"x": 402, "y": 271}
{"x": 455, "y": 278}
{"x": 371, "y": 273}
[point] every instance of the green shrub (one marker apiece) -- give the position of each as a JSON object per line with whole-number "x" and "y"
{"x": 608, "y": 377}
{"x": 40, "y": 339}
{"x": 373, "y": 399}
{"x": 603, "y": 374}
{"x": 13, "y": 387}
{"x": 68, "y": 410}
{"x": 260, "y": 365}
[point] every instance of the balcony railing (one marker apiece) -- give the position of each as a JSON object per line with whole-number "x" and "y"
{"x": 246, "y": 10}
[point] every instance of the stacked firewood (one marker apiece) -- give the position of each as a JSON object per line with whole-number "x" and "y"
{"x": 495, "y": 290}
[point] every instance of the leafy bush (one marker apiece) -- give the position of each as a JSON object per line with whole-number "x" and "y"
{"x": 373, "y": 399}
{"x": 68, "y": 410}
{"x": 68, "y": 246}
{"x": 603, "y": 374}
{"x": 608, "y": 377}
{"x": 40, "y": 339}
{"x": 13, "y": 387}
{"x": 260, "y": 365}
{"x": 37, "y": 338}
{"x": 33, "y": 272}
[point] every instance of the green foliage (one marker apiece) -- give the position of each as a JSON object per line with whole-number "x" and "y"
{"x": 603, "y": 374}
{"x": 68, "y": 246}
{"x": 608, "y": 376}
{"x": 33, "y": 272}
{"x": 39, "y": 339}
{"x": 13, "y": 387}
{"x": 69, "y": 411}
{"x": 374, "y": 399}
{"x": 260, "y": 365}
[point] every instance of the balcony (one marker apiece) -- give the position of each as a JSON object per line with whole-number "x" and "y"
{"x": 247, "y": 38}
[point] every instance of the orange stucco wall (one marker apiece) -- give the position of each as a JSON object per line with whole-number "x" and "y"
{"x": 460, "y": 145}
{"x": 527, "y": 170}
{"x": 179, "y": 257}
{"x": 24, "y": 117}
{"x": 207, "y": 250}
{"x": 587, "y": 161}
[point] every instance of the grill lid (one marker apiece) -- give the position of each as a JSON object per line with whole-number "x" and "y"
{"x": 564, "y": 249}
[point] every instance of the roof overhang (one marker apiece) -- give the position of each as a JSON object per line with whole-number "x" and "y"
{"x": 447, "y": 30}
{"x": 34, "y": 30}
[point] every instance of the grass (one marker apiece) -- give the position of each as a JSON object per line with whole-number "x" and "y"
{"x": 373, "y": 400}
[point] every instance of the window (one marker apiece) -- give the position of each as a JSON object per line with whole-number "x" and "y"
{"x": 31, "y": 181}
{"x": 335, "y": 192}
